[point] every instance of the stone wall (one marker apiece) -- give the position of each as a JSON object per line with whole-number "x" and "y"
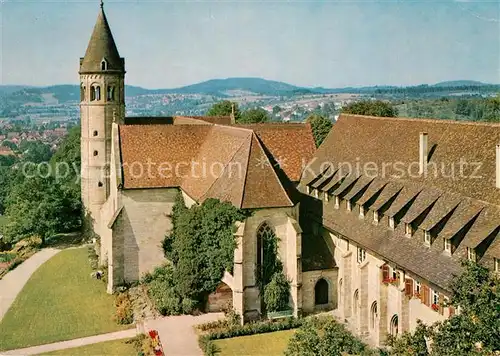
{"x": 139, "y": 230}
{"x": 309, "y": 280}
{"x": 288, "y": 233}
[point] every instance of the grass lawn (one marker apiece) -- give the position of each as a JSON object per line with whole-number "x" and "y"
{"x": 110, "y": 348}
{"x": 60, "y": 302}
{"x": 268, "y": 344}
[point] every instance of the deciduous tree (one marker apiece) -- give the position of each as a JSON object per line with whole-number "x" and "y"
{"x": 371, "y": 108}
{"x": 320, "y": 127}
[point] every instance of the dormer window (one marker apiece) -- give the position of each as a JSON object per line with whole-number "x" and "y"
{"x": 447, "y": 246}
{"x": 361, "y": 211}
{"x": 471, "y": 254}
{"x": 427, "y": 238}
{"x": 408, "y": 230}
{"x": 375, "y": 217}
{"x": 104, "y": 65}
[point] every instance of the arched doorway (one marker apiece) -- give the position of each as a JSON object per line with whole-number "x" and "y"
{"x": 321, "y": 292}
{"x": 394, "y": 325}
{"x": 374, "y": 316}
{"x": 221, "y": 299}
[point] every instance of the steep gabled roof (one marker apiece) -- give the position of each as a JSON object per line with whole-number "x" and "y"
{"x": 101, "y": 46}
{"x": 291, "y": 145}
{"x": 205, "y": 161}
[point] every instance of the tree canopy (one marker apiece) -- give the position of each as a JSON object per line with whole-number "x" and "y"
{"x": 371, "y": 108}
{"x": 254, "y": 116}
{"x": 224, "y": 108}
{"x": 37, "y": 197}
{"x": 324, "y": 336}
{"x": 199, "y": 249}
{"x": 320, "y": 127}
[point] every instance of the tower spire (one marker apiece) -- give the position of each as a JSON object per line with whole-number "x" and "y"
{"x": 101, "y": 48}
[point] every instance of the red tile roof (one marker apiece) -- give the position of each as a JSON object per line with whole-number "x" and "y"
{"x": 225, "y": 162}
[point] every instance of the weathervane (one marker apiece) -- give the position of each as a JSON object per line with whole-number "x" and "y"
{"x": 102, "y": 4}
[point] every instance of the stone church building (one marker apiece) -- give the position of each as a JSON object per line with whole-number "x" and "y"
{"x": 378, "y": 248}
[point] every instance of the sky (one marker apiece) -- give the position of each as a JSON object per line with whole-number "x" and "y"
{"x": 168, "y": 44}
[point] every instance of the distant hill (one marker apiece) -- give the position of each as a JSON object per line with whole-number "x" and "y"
{"x": 229, "y": 87}
{"x": 459, "y": 83}
{"x": 221, "y": 87}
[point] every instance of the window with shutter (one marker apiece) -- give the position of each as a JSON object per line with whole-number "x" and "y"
{"x": 441, "y": 302}
{"x": 452, "y": 311}
{"x": 409, "y": 287}
{"x": 426, "y": 296}
{"x": 385, "y": 272}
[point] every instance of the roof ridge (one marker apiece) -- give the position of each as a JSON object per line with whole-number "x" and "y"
{"x": 416, "y": 119}
{"x": 226, "y": 166}
{"x": 254, "y": 135}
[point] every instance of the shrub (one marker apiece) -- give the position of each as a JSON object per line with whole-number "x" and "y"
{"x": 277, "y": 293}
{"x": 188, "y": 305}
{"x": 7, "y": 257}
{"x": 324, "y": 336}
{"x": 124, "y": 313}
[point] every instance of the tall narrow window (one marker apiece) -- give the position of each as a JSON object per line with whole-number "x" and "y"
{"x": 92, "y": 93}
{"x": 104, "y": 65}
{"x": 394, "y": 326}
{"x": 110, "y": 93}
{"x": 82, "y": 92}
{"x": 373, "y": 316}
{"x": 375, "y": 217}
{"x": 496, "y": 265}
{"x": 361, "y": 255}
{"x": 97, "y": 93}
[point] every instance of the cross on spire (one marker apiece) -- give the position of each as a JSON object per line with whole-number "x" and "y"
{"x": 102, "y": 3}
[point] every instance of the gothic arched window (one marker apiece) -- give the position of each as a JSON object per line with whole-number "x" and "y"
{"x": 104, "y": 65}
{"x": 267, "y": 250}
{"x": 92, "y": 93}
{"x": 394, "y": 325}
{"x": 373, "y": 316}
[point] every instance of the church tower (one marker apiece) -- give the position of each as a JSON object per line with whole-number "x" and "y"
{"x": 102, "y": 102}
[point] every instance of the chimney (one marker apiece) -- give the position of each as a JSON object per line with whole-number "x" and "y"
{"x": 497, "y": 169}
{"x": 423, "y": 152}
{"x": 233, "y": 117}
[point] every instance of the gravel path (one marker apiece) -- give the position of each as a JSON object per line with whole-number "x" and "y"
{"x": 12, "y": 283}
